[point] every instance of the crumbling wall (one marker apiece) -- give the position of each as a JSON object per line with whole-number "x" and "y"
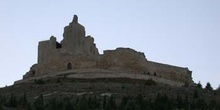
{"x": 169, "y": 72}
{"x": 131, "y": 61}
{"x": 47, "y": 50}
{"x": 90, "y": 46}
{"x": 122, "y": 59}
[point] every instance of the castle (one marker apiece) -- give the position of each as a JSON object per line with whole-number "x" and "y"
{"x": 77, "y": 56}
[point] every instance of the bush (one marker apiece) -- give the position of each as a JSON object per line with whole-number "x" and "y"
{"x": 12, "y": 101}
{"x": 110, "y": 104}
{"x": 22, "y": 102}
{"x": 208, "y": 87}
{"x": 39, "y": 103}
{"x": 123, "y": 87}
{"x": 58, "y": 80}
{"x": 186, "y": 84}
{"x": 39, "y": 81}
{"x": 199, "y": 85}
{"x": 196, "y": 94}
{"x": 150, "y": 82}
{"x": 218, "y": 89}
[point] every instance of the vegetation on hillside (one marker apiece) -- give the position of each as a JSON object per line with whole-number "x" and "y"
{"x": 149, "y": 95}
{"x": 161, "y": 102}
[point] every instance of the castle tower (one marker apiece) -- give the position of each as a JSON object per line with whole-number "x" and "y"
{"x": 73, "y": 37}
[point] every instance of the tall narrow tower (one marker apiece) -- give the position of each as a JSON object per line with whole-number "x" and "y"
{"x": 74, "y": 35}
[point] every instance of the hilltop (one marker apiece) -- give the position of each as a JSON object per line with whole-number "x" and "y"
{"x": 71, "y": 74}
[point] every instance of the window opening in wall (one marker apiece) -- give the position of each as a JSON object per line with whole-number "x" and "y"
{"x": 58, "y": 45}
{"x": 69, "y": 66}
{"x": 33, "y": 73}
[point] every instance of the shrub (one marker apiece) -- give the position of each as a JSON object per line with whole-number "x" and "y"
{"x": 218, "y": 89}
{"x": 199, "y": 85}
{"x": 196, "y": 94}
{"x": 111, "y": 103}
{"x": 22, "y": 102}
{"x": 150, "y": 82}
{"x": 186, "y": 84}
{"x": 123, "y": 87}
{"x": 39, "y": 81}
{"x": 39, "y": 103}
{"x": 12, "y": 101}
{"x": 208, "y": 86}
{"x": 58, "y": 80}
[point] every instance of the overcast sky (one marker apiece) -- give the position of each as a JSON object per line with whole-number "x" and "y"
{"x": 184, "y": 33}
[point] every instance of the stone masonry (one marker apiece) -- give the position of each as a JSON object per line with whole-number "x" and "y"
{"x": 78, "y": 51}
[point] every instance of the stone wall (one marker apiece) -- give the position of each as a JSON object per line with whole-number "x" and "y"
{"x": 94, "y": 73}
{"x": 131, "y": 61}
{"x": 47, "y": 49}
{"x": 122, "y": 59}
{"x": 90, "y": 47}
{"x": 169, "y": 72}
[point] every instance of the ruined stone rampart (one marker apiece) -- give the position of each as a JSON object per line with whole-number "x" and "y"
{"x": 169, "y": 72}
{"x": 78, "y": 51}
{"x": 131, "y": 61}
{"x": 122, "y": 59}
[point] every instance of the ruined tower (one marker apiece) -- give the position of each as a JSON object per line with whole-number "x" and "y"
{"x": 73, "y": 37}
{"x": 54, "y": 56}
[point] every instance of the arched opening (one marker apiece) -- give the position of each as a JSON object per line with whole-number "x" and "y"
{"x": 69, "y": 66}
{"x": 33, "y": 72}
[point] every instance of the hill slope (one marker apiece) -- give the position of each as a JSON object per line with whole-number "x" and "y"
{"x": 106, "y": 93}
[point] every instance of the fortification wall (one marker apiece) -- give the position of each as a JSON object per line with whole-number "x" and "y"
{"x": 59, "y": 64}
{"x": 90, "y": 47}
{"x": 47, "y": 50}
{"x": 169, "y": 72}
{"x": 94, "y": 73}
{"x": 131, "y": 61}
{"x": 122, "y": 59}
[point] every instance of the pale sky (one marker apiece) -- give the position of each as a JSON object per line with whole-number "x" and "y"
{"x": 184, "y": 33}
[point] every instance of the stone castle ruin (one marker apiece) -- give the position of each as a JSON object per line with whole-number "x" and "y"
{"x": 77, "y": 56}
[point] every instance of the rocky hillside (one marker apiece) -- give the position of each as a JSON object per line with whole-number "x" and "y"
{"x": 63, "y": 93}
